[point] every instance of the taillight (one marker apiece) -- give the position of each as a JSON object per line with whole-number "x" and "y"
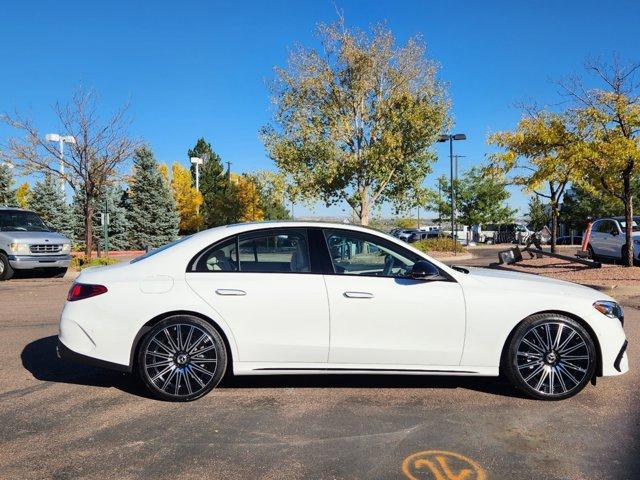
{"x": 80, "y": 291}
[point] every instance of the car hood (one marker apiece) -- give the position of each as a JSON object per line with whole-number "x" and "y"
{"x": 36, "y": 237}
{"x": 510, "y": 280}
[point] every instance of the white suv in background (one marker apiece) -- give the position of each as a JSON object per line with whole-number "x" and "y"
{"x": 607, "y": 238}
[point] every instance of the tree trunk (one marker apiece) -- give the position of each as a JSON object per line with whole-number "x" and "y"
{"x": 628, "y": 215}
{"x": 554, "y": 225}
{"x": 88, "y": 229}
{"x": 364, "y": 214}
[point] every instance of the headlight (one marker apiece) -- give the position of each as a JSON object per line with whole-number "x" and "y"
{"x": 66, "y": 247}
{"x": 636, "y": 241}
{"x": 20, "y": 248}
{"x": 610, "y": 309}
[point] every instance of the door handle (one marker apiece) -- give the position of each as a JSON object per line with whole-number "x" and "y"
{"x": 358, "y": 295}
{"x": 230, "y": 291}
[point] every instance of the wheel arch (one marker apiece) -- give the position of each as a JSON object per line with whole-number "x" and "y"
{"x": 158, "y": 318}
{"x": 580, "y": 320}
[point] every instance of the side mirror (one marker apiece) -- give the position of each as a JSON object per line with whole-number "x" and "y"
{"x": 423, "y": 270}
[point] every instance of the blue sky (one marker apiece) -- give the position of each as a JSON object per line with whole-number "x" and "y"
{"x": 194, "y": 69}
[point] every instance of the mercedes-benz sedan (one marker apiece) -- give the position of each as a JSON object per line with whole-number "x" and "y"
{"x": 291, "y": 298}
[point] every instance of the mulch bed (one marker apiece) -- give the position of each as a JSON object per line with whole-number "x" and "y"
{"x": 575, "y": 272}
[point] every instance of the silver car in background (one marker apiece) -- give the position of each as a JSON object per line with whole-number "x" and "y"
{"x": 26, "y": 243}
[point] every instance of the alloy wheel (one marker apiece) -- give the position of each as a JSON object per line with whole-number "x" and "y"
{"x": 553, "y": 358}
{"x": 181, "y": 360}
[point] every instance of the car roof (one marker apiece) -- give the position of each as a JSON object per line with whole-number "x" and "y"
{"x": 619, "y": 218}
{"x": 13, "y": 209}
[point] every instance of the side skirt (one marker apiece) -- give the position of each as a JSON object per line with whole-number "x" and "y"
{"x": 241, "y": 368}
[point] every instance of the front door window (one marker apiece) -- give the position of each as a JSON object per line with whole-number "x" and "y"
{"x": 354, "y": 254}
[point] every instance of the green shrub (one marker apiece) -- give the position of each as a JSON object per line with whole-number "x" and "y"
{"x": 442, "y": 244}
{"x": 80, "y": 263}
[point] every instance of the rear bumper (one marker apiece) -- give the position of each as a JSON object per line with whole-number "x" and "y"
{"x": 28, "y": 262}
{"x": 66, "y": 353}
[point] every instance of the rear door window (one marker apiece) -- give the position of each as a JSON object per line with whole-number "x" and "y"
{"x": 276, "y": 252}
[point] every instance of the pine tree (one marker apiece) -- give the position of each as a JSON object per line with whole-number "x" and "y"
{"x": 48, "y": 201}
{"x": 214, "y": 184}
{"x": 118, "y": 227}
{"x": 7, "y": 196}
{"x": 153, "y": 216}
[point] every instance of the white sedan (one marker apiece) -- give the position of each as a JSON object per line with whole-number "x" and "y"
{"x": 292, "y": 297}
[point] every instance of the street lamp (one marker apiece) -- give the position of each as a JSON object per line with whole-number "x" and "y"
{"x": 61, "y": 139}
{"x": 450, "y": 139}
{"x": 197, "y": 161}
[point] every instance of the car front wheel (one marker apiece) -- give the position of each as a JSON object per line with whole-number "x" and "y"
{"x": 6, "y": 271}
{"x": 550, "y": 357}
{"x": 182, "y": 358}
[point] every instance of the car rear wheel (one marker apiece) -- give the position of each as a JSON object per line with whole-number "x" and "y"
{"x": 550, "y": 357}
{"x": 182, "y": 358}
{"x": 6, "y": 271}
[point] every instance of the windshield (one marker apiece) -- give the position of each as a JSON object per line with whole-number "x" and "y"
{"x": 20, "y": 221}
{"x": 634, "y": 226}
{"x": 151, "y": 253}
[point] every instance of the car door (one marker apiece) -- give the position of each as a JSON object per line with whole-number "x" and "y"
{"x": 597, "y": 238}
{"x": 608, "y": 238}
{"x": 261, "y": 284}
{"x": 379, "y": 315}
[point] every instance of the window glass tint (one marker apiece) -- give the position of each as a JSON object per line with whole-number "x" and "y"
{"x": 221, "y": 258}
{"x": 363, "y": 255}
{"x": 155, "y": 251}
{"x": 276, "y": 252}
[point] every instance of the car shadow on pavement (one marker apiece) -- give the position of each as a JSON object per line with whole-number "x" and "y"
{"x": 39, "y": 357}
{"x": 490, "y": 385}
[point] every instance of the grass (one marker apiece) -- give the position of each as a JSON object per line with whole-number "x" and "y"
{"x": 80, "y": 263}
{"x": 442, "y": 244}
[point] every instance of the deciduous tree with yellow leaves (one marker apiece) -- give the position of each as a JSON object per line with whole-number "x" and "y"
{"x": 543, "y": 154}
{"x": 188, "y": 199}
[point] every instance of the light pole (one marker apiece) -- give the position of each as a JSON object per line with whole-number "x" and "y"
{"x": 197, "y": 161}
{"x": 61, "y": 139}
{"x": 450, "y": 139}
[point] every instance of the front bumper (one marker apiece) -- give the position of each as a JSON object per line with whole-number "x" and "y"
{"x": 28, "y": 262}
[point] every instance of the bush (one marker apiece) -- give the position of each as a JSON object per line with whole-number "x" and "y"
{"x": 80, "y": 262}
{"x": 442, "y": 244}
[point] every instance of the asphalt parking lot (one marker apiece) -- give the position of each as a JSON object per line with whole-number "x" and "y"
{"x": 64, "y": 421}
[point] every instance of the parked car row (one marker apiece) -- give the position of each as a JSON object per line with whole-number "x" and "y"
{"x": 413, "y": 235}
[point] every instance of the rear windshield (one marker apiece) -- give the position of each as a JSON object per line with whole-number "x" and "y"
{"x": 20, "y": 221}
{"x": 151, "y": 253}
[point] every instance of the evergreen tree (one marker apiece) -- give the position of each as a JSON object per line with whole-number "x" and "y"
{"x": 7, "y": 195}
{"x": 153, "y": 216}
{"x": 118, "y": 227}
{"x": 214, "y": 184}
{"x": 48, "y": 201}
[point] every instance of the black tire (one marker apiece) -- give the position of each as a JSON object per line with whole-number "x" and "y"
{"x": 592, "y": 253}
{"x": 6, "y": 270}
{"x": 554, "y": 373}
{"x": 185, "y": 373}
